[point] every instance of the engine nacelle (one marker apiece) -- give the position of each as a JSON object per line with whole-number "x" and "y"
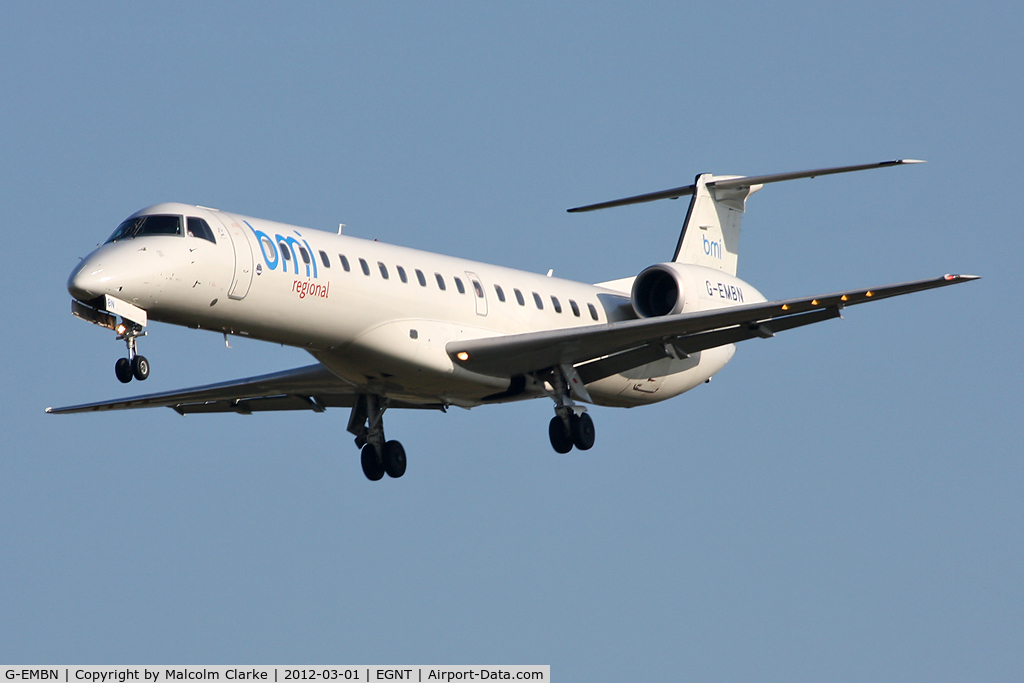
{"x": 659, "y": 290}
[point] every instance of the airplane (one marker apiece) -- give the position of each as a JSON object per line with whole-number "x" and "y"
{"x": 393, "y": 327}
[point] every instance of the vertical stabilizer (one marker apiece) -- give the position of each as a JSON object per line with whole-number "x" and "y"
{"x": 711, "y": 232}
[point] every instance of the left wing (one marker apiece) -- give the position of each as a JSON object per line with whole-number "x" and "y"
{"x": 312, "y": 387}
{"x": 601, "y": 350}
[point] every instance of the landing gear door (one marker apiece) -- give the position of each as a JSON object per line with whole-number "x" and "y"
{"x": 478, "y": 293}
{"x": 242, "y": 278}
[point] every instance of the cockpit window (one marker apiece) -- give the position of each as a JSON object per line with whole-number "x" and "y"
{"x": 197, "y": 227}
{"x": 147, "y": 225}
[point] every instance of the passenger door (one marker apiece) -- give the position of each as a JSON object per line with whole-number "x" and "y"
{"x": 242, "y": 279}
{"x": 478, "y": 293}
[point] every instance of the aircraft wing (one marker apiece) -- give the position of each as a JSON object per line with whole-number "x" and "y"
{"x": 599, "y": 351}
{"x": 312, "y": 387}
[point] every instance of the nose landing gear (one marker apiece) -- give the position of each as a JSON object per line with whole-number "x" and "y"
{"x": 134, "y": 365}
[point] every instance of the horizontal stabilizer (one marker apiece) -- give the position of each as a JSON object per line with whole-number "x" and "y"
{"x": 731, "y": 183}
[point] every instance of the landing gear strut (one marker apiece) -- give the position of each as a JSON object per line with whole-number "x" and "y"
{"x": 571, "y": 425}
{"x": 134, "y": 365}
{"x": 378, "y": 456}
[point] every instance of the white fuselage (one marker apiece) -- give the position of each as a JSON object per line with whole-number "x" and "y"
{"x": 382, "y": 322}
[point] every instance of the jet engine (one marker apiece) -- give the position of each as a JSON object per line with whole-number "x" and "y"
{"x": 658, "y": 290}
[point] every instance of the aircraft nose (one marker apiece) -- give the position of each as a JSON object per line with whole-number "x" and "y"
{"x": 87, "y": 280}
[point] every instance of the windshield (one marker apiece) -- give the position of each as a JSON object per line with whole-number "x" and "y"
{"x": 147, "y": 225}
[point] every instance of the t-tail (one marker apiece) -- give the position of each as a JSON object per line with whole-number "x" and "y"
{"x": 711, "y": 232}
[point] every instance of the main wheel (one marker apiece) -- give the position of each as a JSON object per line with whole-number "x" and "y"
{"x": 140, "y": 367}
{"x": 561, "y": 438}
{"x": 394, "y": 459}
{"x": 373, "y": 467}
{"x": 582, "y": 431}
{"x": 123, "y": 370}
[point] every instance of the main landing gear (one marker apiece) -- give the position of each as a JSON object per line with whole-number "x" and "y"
{"x": 134, "y": 365}
{"x": 571, "y": 430}
{"x": 378, "y": 456}
{"x": 571, "y": 425}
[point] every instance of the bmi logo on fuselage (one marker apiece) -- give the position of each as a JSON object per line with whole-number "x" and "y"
{"x": 285, "y": 248}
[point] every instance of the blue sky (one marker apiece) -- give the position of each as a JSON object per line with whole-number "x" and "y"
{"x": 842, "y": 502}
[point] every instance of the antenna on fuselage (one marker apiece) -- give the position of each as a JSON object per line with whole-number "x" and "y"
{"x": 341, "y": 226}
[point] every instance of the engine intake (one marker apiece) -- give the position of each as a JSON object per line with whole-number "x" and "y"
{"x": 658, "y": 290}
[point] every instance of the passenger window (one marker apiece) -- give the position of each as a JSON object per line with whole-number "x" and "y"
{"x": 556, "y": 304}
{"x": 304, "y": 254}
{"x": 593, "y": 311}
{"x": 344, "y": 262}
{"x": 197, "y": 227}
{"x": 574, "y": 307}
{"x": 458, "y": 286}
{"x": 365, "y": 266}
{"x": 519, "y": 297}
{"x": 401, "y": 274}
{"x": 383, "y": 270}
{"x": 286, "y": 251}
{"x": 421, "y": 278}
{"x": 323, "y": 257}
{"x": 501, "y": 294}
{"x": 440, "y": 281}
{"x": 478, "y": 289}
{"x": 537, "y": 300}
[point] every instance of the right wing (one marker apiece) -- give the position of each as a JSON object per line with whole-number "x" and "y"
{"x": 312, "y": 387}
{"x": 599, "y": 351}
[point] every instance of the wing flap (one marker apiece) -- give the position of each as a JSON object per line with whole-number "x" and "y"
{"x": 510, "y": 355}
{"x": 682, "y": 346}
{"x": 246, "y": 406}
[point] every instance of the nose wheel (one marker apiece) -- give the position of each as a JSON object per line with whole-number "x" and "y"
{"x": 123, "y": 370}
{"x": 134, "y": 365}
{"x": 140, "y": 367}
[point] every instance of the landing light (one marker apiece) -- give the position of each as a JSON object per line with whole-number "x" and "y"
{"x": 843, "y": 298}
{"x": 462, "y": 355}
{"x": 869, "y": 293}
{"x": 814, "y": 302}
{"x": 785, "y": 307}
{"x": 121, "y": 329}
